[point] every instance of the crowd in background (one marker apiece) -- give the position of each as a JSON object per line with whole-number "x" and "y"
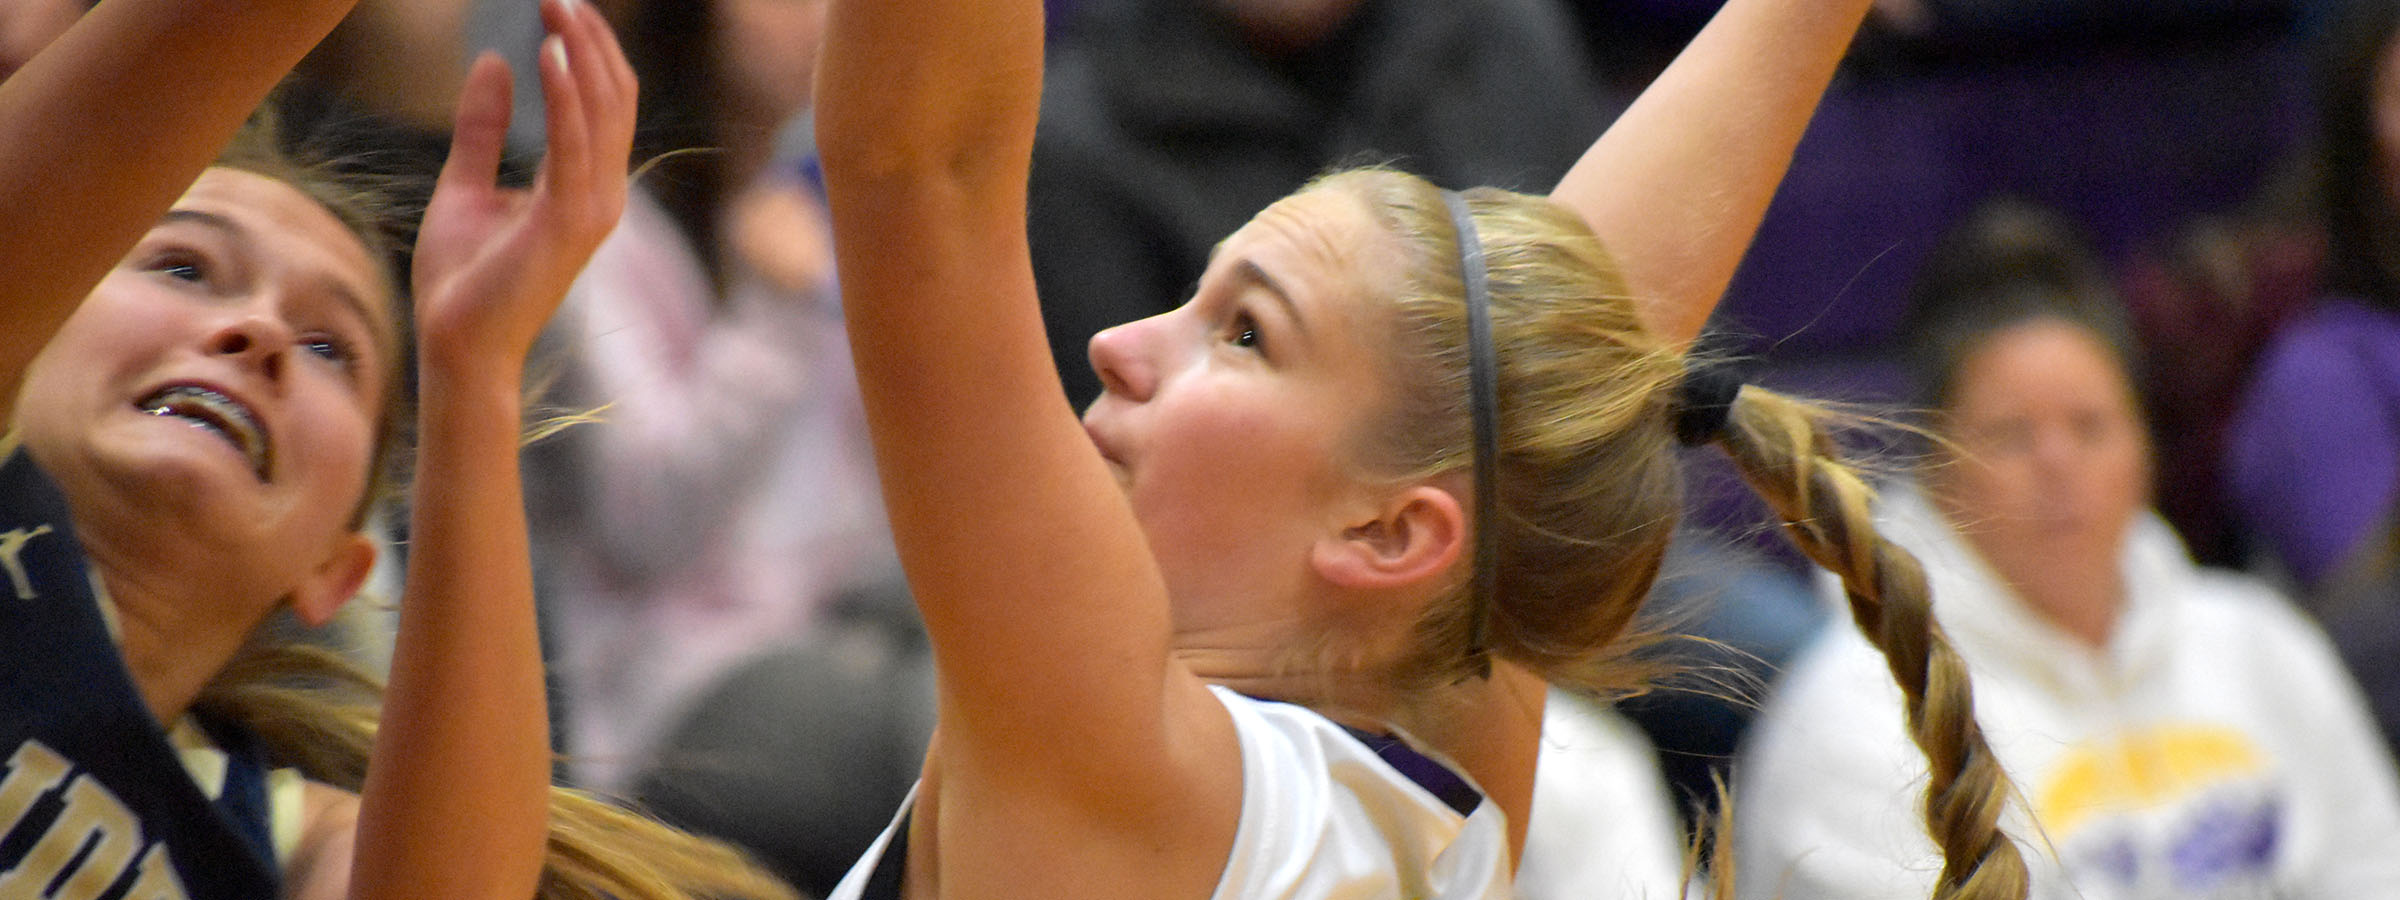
{"x": 733, "y": 647}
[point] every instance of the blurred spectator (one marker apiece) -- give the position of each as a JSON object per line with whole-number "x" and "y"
{"x": 2314, "y": 460}
{"x": 2361, "y": 609}
{"x": 2332, "y": 381}
{"x": 1748, "y": 614}
{"x": 2131, "y": 133}
{"x": 725, "y": 494}
{"x": 1602, "y": 825}
{"x": 801, "y": 753}
{"x": 1167, "y": 123}
{"x": 2205, "y": 306}
{"x": 2173, "y": 731}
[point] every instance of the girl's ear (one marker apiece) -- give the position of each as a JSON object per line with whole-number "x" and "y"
{"x": 334, "y": 581}
{"x": 1415, "y": 535}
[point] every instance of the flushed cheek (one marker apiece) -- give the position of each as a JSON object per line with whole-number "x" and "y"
{"x": 61, "y": 402}
{"x": 110, "y": 349}
{"x": 1265, "y": 442}
{"x": 343, "y": 456}
{"x": 1219, "y": 454}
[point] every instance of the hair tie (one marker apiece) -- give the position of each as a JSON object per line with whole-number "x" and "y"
{"x": 1483, "y": 405}
{"x": 1704, "y": 402}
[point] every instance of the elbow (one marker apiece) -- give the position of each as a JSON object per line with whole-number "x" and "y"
{"x": 894, "y": 186}
{"x": 967, "y": 138}
{"x": 962, "y": 155}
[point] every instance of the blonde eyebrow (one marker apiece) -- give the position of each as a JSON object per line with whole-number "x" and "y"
{"x": 1250, "y": 271}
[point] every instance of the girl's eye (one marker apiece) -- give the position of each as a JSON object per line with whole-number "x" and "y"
{"x": 1243, "y": 332}
{"x": 181, "y": 267}
{"x": 328, "y": 348}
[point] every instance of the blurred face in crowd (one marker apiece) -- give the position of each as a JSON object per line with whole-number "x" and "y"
{"x": 769, "y": 48}
{"x": 2054, "y": 462}
{"x": 26, "y": 26}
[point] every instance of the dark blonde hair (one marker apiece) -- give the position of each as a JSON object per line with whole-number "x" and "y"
{"x": 1581, "y": 540}
{"x": 314, "y": 711}
{"x": 1589, "y": 487}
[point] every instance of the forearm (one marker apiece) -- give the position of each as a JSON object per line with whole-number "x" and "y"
{"x": 456, "y": 801}
{"x": 1047, "y": 613}
{"x": 925, "y": 117}
{"x": 110, "y": 124}
{"x": 464, "y": 739}
{"x": 1678, "y": 186}
{"x": 930, "y": 90}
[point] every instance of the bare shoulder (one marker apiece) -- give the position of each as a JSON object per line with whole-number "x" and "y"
{"x": 320, "y": 866}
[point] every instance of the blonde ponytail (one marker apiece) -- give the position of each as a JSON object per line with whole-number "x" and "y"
{"x": 1786, "y": 454}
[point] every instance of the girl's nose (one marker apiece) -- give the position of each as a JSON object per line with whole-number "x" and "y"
{"x": 1124, "y": 361}
{"x": 256, "y": 339}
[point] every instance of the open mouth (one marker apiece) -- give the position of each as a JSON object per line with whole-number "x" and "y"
{"x": 216, "y": 413}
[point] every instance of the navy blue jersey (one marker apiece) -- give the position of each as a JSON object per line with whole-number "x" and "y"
{"x": 94, "y": 802}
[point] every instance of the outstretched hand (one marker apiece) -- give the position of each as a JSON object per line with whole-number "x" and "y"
{"x": 456, "y": 802}
{"x": 493, "y": 263}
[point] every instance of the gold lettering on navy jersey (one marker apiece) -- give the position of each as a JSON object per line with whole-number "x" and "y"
{"x": 92, "y": 810}
{"x": 157, "y": 880}
{"x": 32, "y": 771}
{"x": 12, "y": 544}
{"x": 92, "y": 818}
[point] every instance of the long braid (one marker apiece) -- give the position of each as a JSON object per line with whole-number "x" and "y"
{"x": 1784, "y": 452}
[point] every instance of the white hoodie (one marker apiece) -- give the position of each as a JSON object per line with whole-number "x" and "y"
{"x": 2214, "y": 749}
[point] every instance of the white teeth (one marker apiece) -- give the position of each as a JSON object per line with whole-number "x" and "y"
{"x": 218, "y": 413}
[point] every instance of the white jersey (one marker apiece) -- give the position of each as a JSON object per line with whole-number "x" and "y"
{"x": 1326, "y": 812}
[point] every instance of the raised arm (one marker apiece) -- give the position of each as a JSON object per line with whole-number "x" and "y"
{"x": 102, "y": 131}
{"x": 457, "y": 795}
{"x": 1049, "y": 622}
{"x": 1678, "y": 185}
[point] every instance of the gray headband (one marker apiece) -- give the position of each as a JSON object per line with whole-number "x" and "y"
{"x": 1483, "y": 387}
